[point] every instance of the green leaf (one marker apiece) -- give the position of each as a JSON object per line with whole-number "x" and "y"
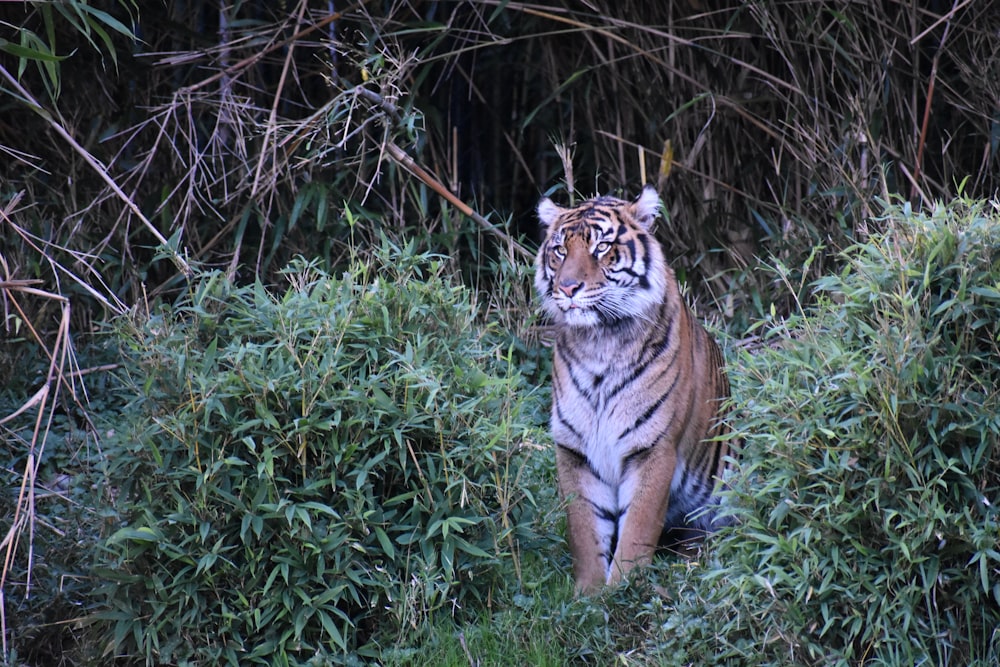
{"x": 108, "y": 20}
{"x": 141, "y": 534}
{"x": 471, "y": 549}
{"x": 40, "y": 52}
{"x": 385, "y": 542}
{"x": 332, "y": 631}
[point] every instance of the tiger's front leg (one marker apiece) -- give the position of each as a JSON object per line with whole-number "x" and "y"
{"x": 643, "y": 495}
{"x": 591, "y": 519}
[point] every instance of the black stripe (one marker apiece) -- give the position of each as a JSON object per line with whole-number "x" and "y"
{"x": 571, "y": 363}
{"x": 651, "y": 410}
{"x": 581, "y": 461}
{"x": 602, "y": 232}
{"x": 630, "y": 244}
{"x": 644, "y": 279}
{"x": 642, "y": 367}
{"x": 612, "y": 322}
{"x": 557, "y": 388}
{"x": 664, "y": 341}
{"x": 667, "y": 369}
{"x": 576, "y": 454}
{"x": 652, "y": 349}
{"x": 564, "y": 350}
{"x": 585, "y": 391}
{"x": 643, "y": 363}
{"x": 717, "y": 455}
{"x": 605, "y": 514}
{"x": 562, "y": 420}
{"x": 637, "y": 458}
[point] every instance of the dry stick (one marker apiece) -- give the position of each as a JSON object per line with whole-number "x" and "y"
{"x": 5, "y": 216}
{"x": 11, "y": 540}
{"x": 555, "y": 14}
{"x": 400, "y": 156}
{"x": 24, "y": 507}
{"x": 93, "y": 369}
{"x": 735, "y": 107}
{"x": 249, "y": 61}
{"x": 930, "y": 98}
{"x": 674, "y": 163}
{"x": 565, "y": 154}
{"x": 947, "y": 17}
{"x": 269, "y": 132}
{"x": 61, "y": 342}
{"x": 101, "y": 170}
{"x": 408, "y": 163}
{"x": 63, "y": 301}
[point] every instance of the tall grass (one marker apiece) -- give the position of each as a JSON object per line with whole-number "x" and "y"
{"x": 238, "y": 134}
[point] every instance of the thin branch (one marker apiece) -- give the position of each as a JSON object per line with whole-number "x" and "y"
{"x": 400, "y": 156}
{"x": 94, "y": 163}
{"x": 930, "y": 97}
{"x": 269, "y": 132}
{"x": 408, "y": 163}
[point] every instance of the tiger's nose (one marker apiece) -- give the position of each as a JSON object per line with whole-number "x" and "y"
{"x": 570, "y": 287}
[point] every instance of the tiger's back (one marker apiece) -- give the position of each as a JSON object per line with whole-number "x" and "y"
{"x": 637, "y": 387}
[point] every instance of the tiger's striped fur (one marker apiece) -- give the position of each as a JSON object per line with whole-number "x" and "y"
{"x": 637, "y": 387}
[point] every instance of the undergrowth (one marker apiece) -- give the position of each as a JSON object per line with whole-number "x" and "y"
{"x": 302, "y": 475}
{"x": 867, "y": 499}
{"x": 297, "y": 128}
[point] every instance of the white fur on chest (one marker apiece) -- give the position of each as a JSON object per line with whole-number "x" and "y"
{"x": 596, "y": 414}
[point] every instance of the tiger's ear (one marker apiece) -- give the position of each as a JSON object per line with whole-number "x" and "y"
{"x": 548, "y": 212}
{"x": 647, "y": 207}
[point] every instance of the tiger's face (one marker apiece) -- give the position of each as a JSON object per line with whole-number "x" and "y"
{"x": 599, "y": 263}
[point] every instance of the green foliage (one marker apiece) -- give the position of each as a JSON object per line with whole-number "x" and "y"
{"x": 303, "y": 475}
{"x": 868, "y": 530}
{"x": 870, "y": 479}
{"x": 77, "y": 18}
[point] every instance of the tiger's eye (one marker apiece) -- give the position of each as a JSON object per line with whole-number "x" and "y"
{"x": 559, "y": 250}
{"x": 603, "y": 246}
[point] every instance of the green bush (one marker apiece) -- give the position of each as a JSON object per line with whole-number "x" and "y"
{"x": 870, "y": 479}
{"x": 302, "y": 476}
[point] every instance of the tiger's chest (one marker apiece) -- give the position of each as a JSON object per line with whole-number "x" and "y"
{"x": 596, "y": 401}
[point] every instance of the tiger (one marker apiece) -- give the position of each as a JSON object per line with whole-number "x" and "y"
{"x": 638, "y": 389}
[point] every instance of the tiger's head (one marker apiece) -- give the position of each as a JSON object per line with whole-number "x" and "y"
{"x": 599, "y": 263}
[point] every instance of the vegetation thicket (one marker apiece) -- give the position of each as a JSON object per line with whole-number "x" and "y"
{"x": 196, "y": 471}
{"x": 240, "y": 133}
{"x": 298, "y": 472}
{"x": 867, "y": 497}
